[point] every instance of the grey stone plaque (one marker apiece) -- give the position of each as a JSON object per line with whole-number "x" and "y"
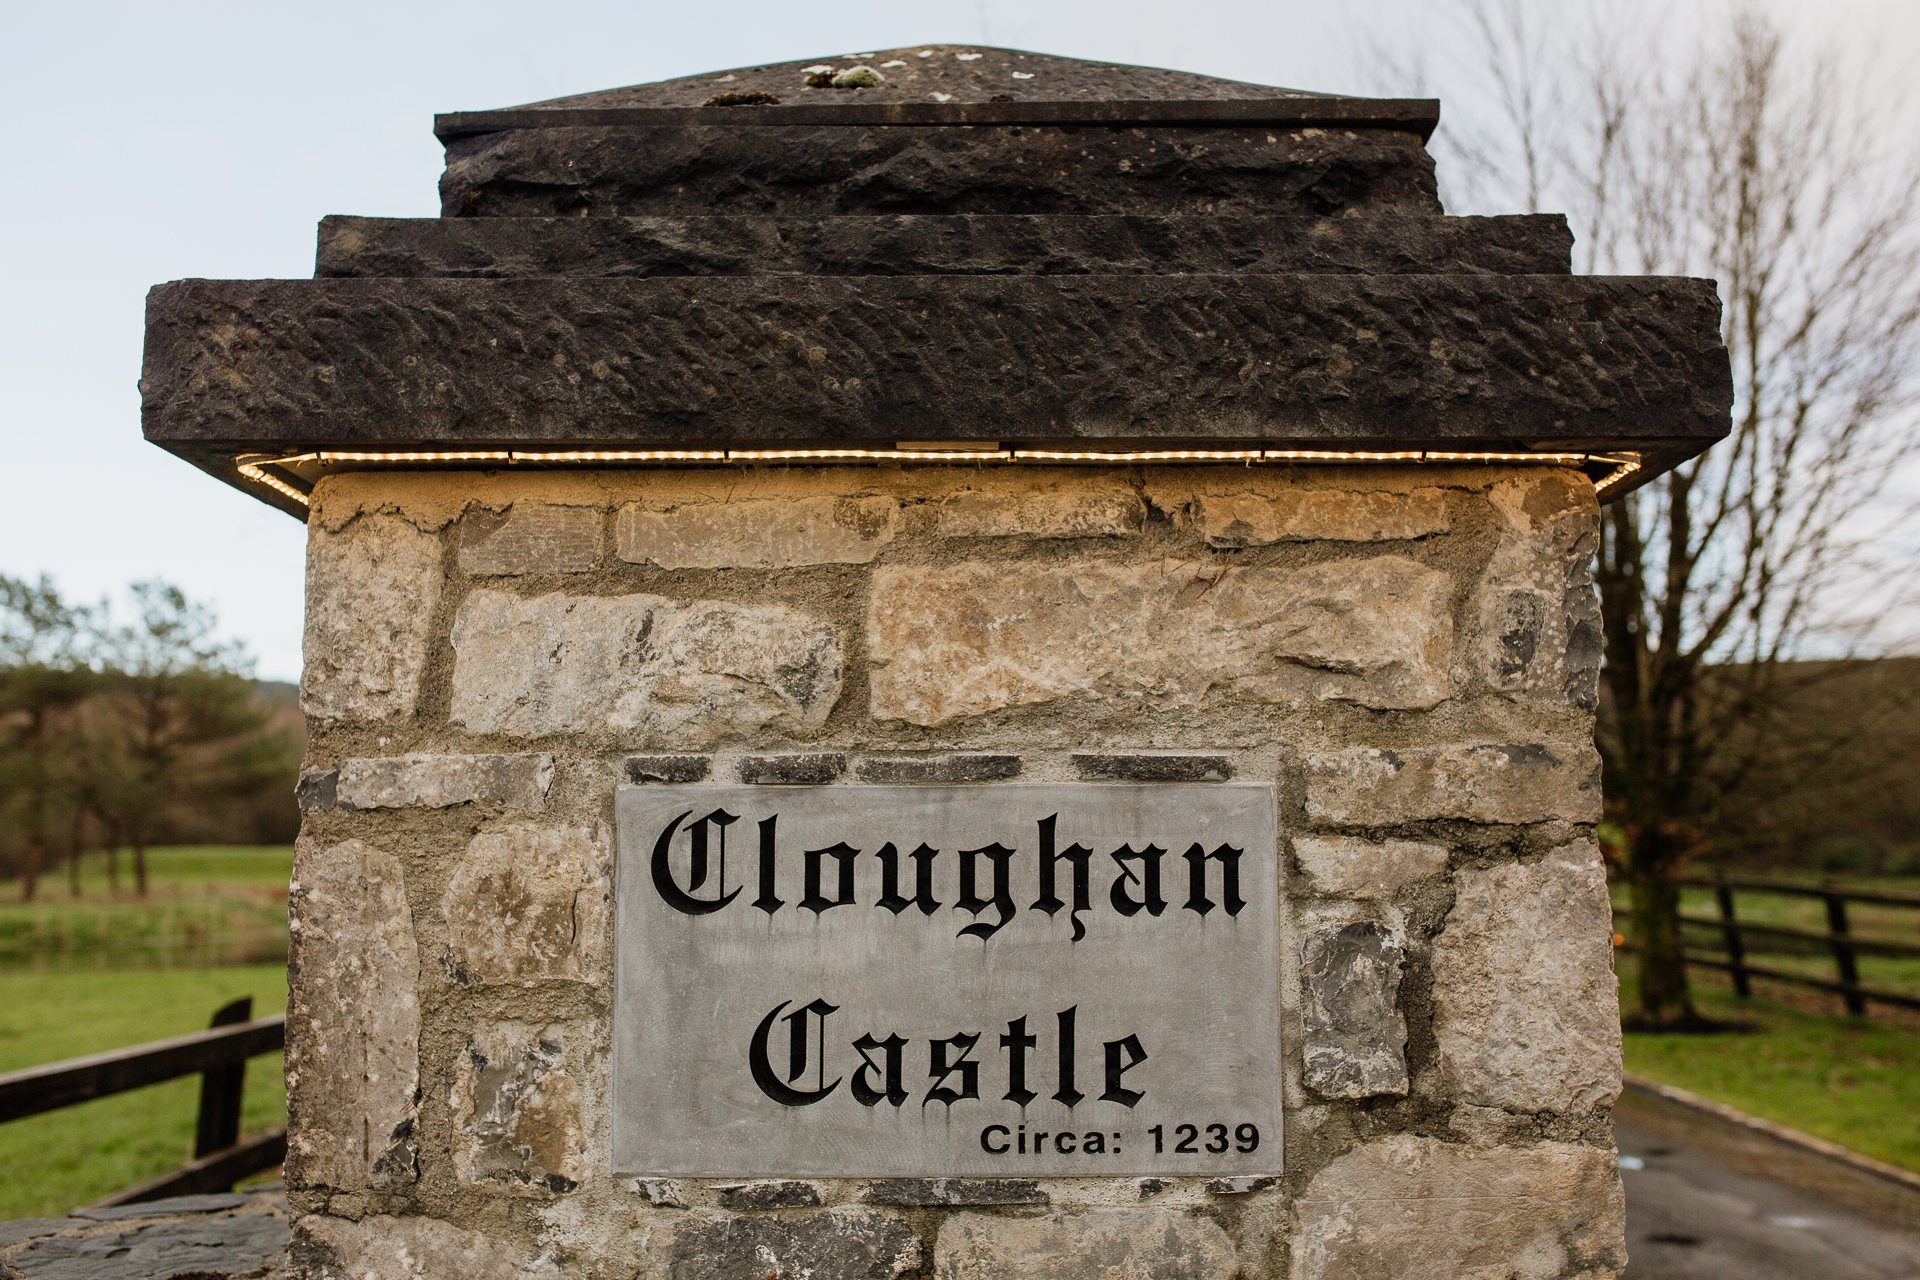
{"x": 1001, "y": 980}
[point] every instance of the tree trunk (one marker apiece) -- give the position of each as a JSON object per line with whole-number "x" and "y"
{"x": 139, "y": 860}
{"x": 1665, "y": 999}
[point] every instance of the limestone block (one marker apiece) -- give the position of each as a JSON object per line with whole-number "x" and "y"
{"x": 533, "y": 537}
{"x": 527, "y": 904}
{"x": 1525, "y": 1003}
{"x": 1410, "y": 1208}
{"x": 372, "y": 589}
{"x": 1349, "y": 867}
{"x": 845, "y": 1243}
{"x": 774, "y": 534}
{"x": 434, "y": 782}
{"x": 1494, "y": 782}
{"x": 353, "y": 1024}
{"x": 240, "y": 1244}
{"x": 1356, "y": 1038}
{"x": 1534, "y": 619}
{"x": 516, "y": 1110}
{"x": 1115, "y": 513}
{"x": 1115, "y": 1244}
{"x": 1319, "y": 515}
{"x": 641, "y": 666}
{"x": 409, "y": 1248}
{"x": 964, "y": 640}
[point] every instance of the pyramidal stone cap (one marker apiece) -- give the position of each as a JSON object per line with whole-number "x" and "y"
{"x": 1007, "y": 256}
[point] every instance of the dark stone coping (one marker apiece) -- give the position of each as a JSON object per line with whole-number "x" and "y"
{"x": 954, "y": 1191}
{"x": 1118, "y": 768}
{"x": 643, "y": 769}
{"x": 934, "y": 244}
{"x": 795, "y": 770}
{"x": 214, "y": 1202}
{"x": 937, "y": 769}
{"x": 769, "y": 1195}
{"x": 832, "y": 169}
{"x": 1365, "y": 361}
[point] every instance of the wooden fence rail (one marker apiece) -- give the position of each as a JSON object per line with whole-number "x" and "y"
{"x": 1839, "y": 937}
{"x": 218, "y": 1056}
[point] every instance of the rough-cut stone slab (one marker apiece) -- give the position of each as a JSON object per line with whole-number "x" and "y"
{"x": 409, "y": 1248}
{"x": 1492, "y": 359}
{"x": 317, "y": 790}
{"x": 529, "y": 904}
{"x": 1319, "y": 515}
{"x": 769, "y": 1195}
{"x": 950, "y": 642}
{"x": 353, "y": 1021}
{"x": 518, "y": 781}
{"x": 1111, "y": 768}
{"x": 835, "y": 169}
{"x": 807, "y": 770}
{"x": 1525, "y": 1003}
{"x": 1114, "y": 514}
{"x": 846, "y": 1243}
{"x": 757, "y": 535}
{"x": 212, "y": 1202}
{"x": 372, "y": 588}
{"x": 533, "y": 537}
{"x": 245, "y": 1245}
{"x": 1409, "y": 1208}
{"x": 1039, "y": 244}
{"x": 1356, "y": 1038}
{"x": 1241, "y": 1186}
{"x": 1349, "y": 867}
{"x": 938, "y": 769}
{"x": 928, "y": 1192}
{"x": 641, "y": 769}
{"x": 1125, "y": 1244}
{"x": 1534, "y": 622}
{"x": 643, "y": 667}
{"x": 1371, "y": 786}
{"x": 516, "y": 1111}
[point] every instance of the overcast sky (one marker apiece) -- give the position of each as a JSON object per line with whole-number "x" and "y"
{"x": 147, "y": 142}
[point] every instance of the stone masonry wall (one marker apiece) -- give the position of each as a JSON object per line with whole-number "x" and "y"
{"x": 1410, "y": 655}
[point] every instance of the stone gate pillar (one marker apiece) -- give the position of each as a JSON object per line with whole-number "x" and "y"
{"x": 954, "y": 663}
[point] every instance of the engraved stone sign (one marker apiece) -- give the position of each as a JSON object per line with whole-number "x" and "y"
{"x": 1010, "y": 980}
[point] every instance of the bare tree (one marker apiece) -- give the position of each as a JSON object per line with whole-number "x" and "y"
{"x": 1733, "y": 155}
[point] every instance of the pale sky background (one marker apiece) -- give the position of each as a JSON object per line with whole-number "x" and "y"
{"x": 154, "y": 141}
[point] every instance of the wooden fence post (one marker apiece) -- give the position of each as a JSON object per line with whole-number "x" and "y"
{"x": 1730, "y": 930}
{"x": 1843, "y": 955}
{"x": 221, "y": 1090}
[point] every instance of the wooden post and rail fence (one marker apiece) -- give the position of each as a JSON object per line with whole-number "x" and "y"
{"x": 218, "y": 1056}
{"x": 1839, "y": 939}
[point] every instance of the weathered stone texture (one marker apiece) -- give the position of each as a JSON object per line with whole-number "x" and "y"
{"x": 1115, "y": 1244}
{"x": 757, "y": 535}
{"x": 517, "y": 781}
{"x": 926, "y": 1192}
{"x": 533, "y": 537}
{"x": 1371, "y": 786}
{"x": 641, "y": 769}
{"x": 241, "y": 1246}
{"x": 810, "y": 769}
{"x": 517, "y": 1110}
{"x": 960, "y": 641}
{"x": 1073, "y": 514}
{"x": 410, "y": 1248}
{"x": 1153, "y": 768}
{"x": 845, "y": 1243}
{"x": 372, "y": 589}
{"x": 353, "y": 1024}
{"x": 1525, "y": 1003}
{"x": 1323, "y": 515}
{"x": 1348, "y": 867}
{"x": 1409, "y": 1208}
{"x": 1356, "y": 1037}
{"x": 777, "y": 1194}
{"x": 936, "y": 770}
{"x": 653, "y": 671}
{"x": 529, "y": 904}
{"x": 1535, "y": 618}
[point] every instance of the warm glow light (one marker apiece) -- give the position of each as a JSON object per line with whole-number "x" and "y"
{"x": 1162, "y": 455}
{"x": 255, "y": 474}
{"x": 1561, "y": 459}
{"x": 875, "y": 455}
{"x": 1328, "y": 455}
{"x": 417, "y": 456}
{"x": 625, "y": 455}
{"x": 1627, "y": 464}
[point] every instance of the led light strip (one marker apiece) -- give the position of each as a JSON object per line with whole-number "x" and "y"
{"x": 1625, "y": 464}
